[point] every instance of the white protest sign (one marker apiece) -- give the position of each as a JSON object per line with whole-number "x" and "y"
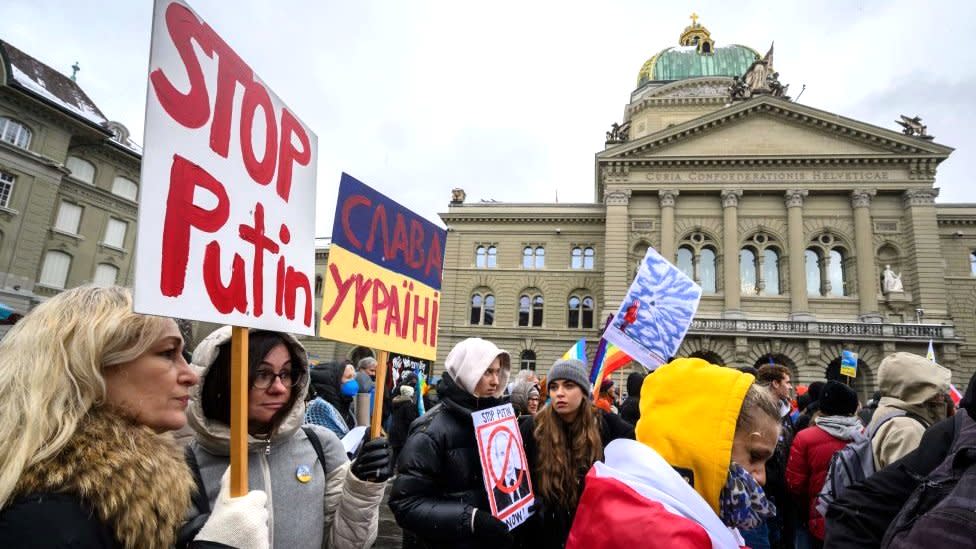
{"x": 503, "y": 464}
{"x": 227, "y": 197}
{"x": 656, "y": 313}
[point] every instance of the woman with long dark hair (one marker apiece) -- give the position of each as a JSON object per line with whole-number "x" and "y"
{"x": 562, "y": 442}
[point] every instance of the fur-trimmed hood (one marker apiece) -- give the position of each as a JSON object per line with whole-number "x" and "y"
{"x": 213, "y": 435}
{"x": 135, "y": 480}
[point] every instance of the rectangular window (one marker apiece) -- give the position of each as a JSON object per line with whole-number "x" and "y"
{"x": 54, "y": 273}
{"x": 6, "y": 189}
{"x": 115, "y": 233}
{"x": 69, "y": 218}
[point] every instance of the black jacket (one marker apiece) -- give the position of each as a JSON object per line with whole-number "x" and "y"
{"x": 57, "y": 520}
{"x": 549, "y": 526}
{"x": 404, "y": 412}
{"x": 439, "y": 481}
{"x": 861, "y": 517}
{"x": 326, "y": 381}
{"x": 630, "y": 409}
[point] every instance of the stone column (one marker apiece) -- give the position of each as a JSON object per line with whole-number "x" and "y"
{"x": 730, "y": 245}
{"x": 667, "y": 198}
{"x": 618, "y": 269}
{"x": 867, "y": 278}
{"x": 799, "y": 304}
{"x": 922, "y": 234}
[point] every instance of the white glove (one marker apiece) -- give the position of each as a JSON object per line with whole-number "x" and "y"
{"x": 238, "y": 522}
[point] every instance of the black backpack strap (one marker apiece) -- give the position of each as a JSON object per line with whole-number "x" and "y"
{"x": 317, "y": 444}
{"x": 200, "y": 499}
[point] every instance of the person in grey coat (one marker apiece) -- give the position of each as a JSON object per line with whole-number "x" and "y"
{"x": 312, "y": 502}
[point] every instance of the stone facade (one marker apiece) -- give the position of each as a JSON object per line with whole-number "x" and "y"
{"x": 61, "y": 228}
{"x": 787, "y": 216}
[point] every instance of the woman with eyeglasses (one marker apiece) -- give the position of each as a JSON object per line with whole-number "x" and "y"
{"x": 316, "y": 496}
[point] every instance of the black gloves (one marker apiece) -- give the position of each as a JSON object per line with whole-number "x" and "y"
{"x": 374, "y": 461}
{"x": 485, "y": 526}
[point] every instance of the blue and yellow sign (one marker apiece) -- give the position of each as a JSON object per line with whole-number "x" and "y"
{"x": 848, "y": 363}
{"x": 382, "y": 284}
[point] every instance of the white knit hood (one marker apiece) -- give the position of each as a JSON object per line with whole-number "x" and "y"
{"x": 469, "y": 359}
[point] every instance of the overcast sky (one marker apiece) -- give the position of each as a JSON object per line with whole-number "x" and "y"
{"x": 510, "y": 100}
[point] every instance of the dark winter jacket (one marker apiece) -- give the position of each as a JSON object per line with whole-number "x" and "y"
{"x": 326, "y": 381}
{"x": 630, "y": 409}
{"x": 549, "y": 526}
{"x": 862, "y": 515}
{"x": 404, "y": 412}
{"x": 807, "y": 469}
{"x": 107, "y": 459}
{"x": 439, "y": 481}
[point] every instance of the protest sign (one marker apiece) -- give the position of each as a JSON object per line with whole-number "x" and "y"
{"x": 503, "y": 464}
{"x": 382, "y": 284}
{"x": 227, "y": 196}
{"x": 848, "y": 363}
{"x": 656, "y": 313}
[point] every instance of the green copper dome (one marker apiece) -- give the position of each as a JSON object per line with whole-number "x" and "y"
{"x": 695, "y": 57}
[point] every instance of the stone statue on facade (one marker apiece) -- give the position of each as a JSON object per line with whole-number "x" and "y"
{"x": 618, "y": 133}
{"x": 457, "y": 196}
{"x": 738, "y": 90}
{"x": 913, "y": 127}
{"x": 759, "y": 79}
{"x": 891, "y": 281}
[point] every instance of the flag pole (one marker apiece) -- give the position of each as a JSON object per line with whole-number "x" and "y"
{"x": 238, "y": 411}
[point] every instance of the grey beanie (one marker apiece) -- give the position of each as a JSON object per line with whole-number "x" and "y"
{"x": 570, "y": 370}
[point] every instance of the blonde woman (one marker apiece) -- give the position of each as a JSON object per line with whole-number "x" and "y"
{"x": 88, "y": 392}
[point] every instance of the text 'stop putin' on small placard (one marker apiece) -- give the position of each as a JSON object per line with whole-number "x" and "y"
{"x": 383, "y": 281}
{"x": 227, "y": 193}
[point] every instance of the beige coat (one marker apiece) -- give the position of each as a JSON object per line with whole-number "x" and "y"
{"x": 907, "y": 381}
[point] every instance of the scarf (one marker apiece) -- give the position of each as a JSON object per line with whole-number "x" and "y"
{"x": 840, "y": 427}
{"x": 742, "y": 502}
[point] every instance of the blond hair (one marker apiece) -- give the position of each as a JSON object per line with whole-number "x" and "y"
{"x": 51, "y": 366}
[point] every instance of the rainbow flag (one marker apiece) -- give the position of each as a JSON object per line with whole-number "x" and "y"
{"x": 609, "y": 358}
{"x": 421, "y": 389}
{"x": 576, "y": 352}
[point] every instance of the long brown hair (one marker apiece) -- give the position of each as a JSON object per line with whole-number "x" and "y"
{"x": 566, "y": 452}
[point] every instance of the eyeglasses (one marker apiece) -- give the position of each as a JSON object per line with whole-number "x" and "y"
{"x": 265, "y": 379}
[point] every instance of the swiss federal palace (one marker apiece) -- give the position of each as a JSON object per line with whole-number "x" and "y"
{"x": 810, "y": 233}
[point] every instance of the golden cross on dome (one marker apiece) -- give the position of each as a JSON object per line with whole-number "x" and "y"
{"x": 694, "y": 18}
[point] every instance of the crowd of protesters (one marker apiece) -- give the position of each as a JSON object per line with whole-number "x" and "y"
{"x": 692, "y": 455}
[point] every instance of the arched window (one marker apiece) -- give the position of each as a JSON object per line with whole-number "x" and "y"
{"x": 527, "y": 360}
{"x": 483, "y": 309}
{"x": 106, "y": 275}
{"x": 972, "y": 263}
{"x": 582, "y": 258}
{"x": 528, "y": 258}
{"x": 747, "y": 271}
{"x": 706, "y": 270}
{"x": 492, "y": 257}
{"x": 14, "y": 132}
{"x": 770, "y": 272}
{"x": 835, "y": 273}
{"x": 580, "y": 312}
{"x": 533, "y": 257}
{"x": 480, "y": 257}
{"x": 540, "y": 257}
{"x": 686, "y": 261}
{"x": 126, "y": 188}
{"x": 54, "y": 272}
{"x": 530, "y": 309}
{"x": 813, "y": 272}
{"x": 697, "y": 259}
{"x": 81, "y": 169}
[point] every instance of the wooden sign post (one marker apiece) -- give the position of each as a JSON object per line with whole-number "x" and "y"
{"x": 238, "y": 412}
{"x": 376, "y": 422}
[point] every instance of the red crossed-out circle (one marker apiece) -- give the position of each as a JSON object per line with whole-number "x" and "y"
{"x": 509, "y": 448}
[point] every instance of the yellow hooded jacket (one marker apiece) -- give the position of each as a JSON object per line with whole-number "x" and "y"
{"x": 688, "y": 411}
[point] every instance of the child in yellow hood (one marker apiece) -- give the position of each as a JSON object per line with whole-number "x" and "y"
{"x": 694, "y": 474}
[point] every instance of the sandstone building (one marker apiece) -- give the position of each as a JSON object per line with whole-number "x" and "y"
{"x": 785, "y": 214}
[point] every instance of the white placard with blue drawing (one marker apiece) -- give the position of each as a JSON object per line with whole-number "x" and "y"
{"x": 656, "y": 313}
